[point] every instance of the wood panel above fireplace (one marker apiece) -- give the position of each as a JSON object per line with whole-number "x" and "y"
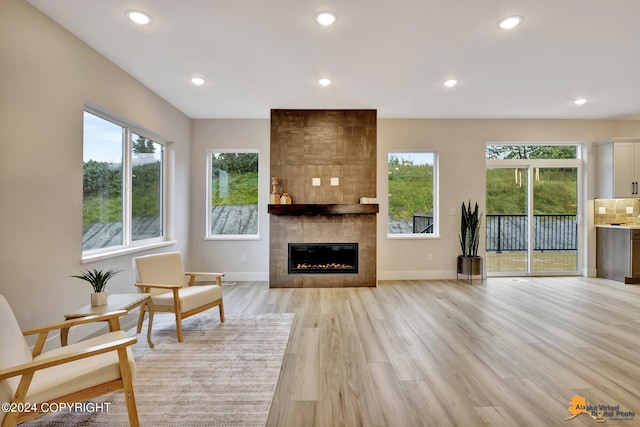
{"x": 324, "y": 144}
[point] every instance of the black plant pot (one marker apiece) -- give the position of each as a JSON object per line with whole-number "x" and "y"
{"x": 469, "y": 265}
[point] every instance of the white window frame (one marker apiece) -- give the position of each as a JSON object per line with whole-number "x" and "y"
{"x": 436, "y": 198}
{"x": 129, "y": 245}
{"x": 207, "y": 231}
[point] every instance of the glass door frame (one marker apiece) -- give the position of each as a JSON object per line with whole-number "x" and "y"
{"x": 530, "y": 165}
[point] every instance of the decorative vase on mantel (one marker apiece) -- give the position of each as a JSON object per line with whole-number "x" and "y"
{"x": 98, "y": 299}
{"x": 285, "y": 199}
{"x": 274, "y": 196}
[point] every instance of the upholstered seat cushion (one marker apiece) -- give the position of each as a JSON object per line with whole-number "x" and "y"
{"x": 74, "y": 376}
{"x": 190, "y": 297}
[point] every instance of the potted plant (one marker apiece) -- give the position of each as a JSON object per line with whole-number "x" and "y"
{"x": 98, "y": 280}
{"x": 469, "y": 262}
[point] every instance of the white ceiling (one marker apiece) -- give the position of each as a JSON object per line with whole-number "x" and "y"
{"x": 387, "y": 55}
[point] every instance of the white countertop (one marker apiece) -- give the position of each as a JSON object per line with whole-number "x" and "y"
{"x": 623, "y": 226}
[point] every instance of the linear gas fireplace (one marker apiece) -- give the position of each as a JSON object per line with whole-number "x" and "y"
{"x": 323, "y": 258}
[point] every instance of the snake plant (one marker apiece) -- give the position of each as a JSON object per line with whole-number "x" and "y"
{"x": 470, "y": 230}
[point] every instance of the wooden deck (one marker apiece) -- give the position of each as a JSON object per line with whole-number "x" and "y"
{"x": 515, "y": 262}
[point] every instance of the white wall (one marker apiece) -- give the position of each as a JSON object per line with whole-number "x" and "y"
{"x": 46, "y": 74}
{"x": 225, "y": 255}
{"x": 460, "y": 145}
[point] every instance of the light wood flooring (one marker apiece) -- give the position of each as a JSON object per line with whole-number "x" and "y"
{"x": 508, "y": 352}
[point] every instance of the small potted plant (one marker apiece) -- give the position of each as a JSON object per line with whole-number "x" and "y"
{"x": 469, "y": 262}
{"x": 98, "y": 280}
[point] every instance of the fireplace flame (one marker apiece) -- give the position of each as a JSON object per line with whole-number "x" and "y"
{"x": 330, "y": 266}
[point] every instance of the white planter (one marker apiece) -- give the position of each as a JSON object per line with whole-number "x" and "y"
{"x": 98, "y": 299}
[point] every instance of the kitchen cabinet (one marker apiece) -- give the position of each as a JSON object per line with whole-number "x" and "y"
{"x": 618, "y": 168}
{"x": 618, "y": 253}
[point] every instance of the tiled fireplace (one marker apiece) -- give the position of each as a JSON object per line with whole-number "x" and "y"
{"x": 325, "y": 225}
{"x": 323, "y": 258}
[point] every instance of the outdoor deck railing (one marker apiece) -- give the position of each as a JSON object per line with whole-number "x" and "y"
{"x": 422, "y": 223}
{"x": 552, "y": 232}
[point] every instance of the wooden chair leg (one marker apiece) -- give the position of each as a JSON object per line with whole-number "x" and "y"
{"x": 221, "y": 311}
{"x": 176, "y": 304}
{"x": 179, "y": 326}
{"x": 141, "y": 317}
{"x": 127, "y": 385}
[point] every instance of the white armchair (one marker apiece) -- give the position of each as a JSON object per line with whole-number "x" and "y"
{"x": 74, "y": 373}
{"x": 163, "y": 276}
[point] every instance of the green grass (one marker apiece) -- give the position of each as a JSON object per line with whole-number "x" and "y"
{"x": 555, "y": 192}
{"x": 97, "y": 210}
{"x": 410, "y": 190}
{"x": 242, "y": 189}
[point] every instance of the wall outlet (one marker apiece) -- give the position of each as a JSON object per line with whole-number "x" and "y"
{"x": 243, "y": 258}
{"x": 452, "y": 211}
{"x": 335, "y": 181}
{"x": 602, "y": 210}
{"x": 629, "y": 209}
{"x": 315, "y": 182}
{"x": 429, "y": 257}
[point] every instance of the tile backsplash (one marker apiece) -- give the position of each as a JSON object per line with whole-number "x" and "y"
{"x": 616, "y": 211}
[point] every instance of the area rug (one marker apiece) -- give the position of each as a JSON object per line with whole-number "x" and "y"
{"x": 223, "y": 374}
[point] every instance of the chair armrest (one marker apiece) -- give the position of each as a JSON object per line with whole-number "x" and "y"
{"x": 192, "y": 277}
{"x": 73, "y": 322}
{"x": 157, "y": 286}
{"x": 204, "y": 274}
{"x": 48, "y": 362}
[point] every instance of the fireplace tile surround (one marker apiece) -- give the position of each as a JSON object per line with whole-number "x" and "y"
{"x": 323, "y": 144}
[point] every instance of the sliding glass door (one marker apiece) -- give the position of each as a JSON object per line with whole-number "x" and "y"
{"x": 507, "y": 222}
{"x": 555, "y": 219}
{"x": 532, "y": 216}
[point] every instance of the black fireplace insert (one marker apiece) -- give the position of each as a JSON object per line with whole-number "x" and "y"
{"x": 323, "y": 258}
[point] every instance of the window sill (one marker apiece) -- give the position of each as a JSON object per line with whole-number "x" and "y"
{"x": 413, "y": 236}
{"x": 124, "y": 251}
{"x": 234, "y": 237}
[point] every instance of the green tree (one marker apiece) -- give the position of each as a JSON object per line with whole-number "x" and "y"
{"x": 531, "y": 152}
{"x": 237, "y": 163}
{"x": 101, "y": 179}
{"x": 143, "y": 145}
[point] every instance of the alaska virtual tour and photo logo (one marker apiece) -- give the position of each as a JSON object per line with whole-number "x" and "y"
{"x": 599, "y": 413}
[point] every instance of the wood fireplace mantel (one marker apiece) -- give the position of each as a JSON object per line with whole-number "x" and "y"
{"x": 324, "y": 209}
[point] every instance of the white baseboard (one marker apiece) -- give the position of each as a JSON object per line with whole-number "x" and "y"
{"x": 242, "y": 276}
{"x": 416, "y": 275}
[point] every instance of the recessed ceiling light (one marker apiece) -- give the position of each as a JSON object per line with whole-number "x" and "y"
{"x": 580, "y": 101}
{"x": 198, "y": 81}
{"x": 510, "y": 22}
{"x": 324, "y": 81}
{"x": 326, "y": 18}
{"x": 138, "y": 17}
{"x": 450, "y": 83}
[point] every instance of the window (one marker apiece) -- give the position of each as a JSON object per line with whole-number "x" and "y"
{"x": 123, "y": 183}
{"x": 232, "y": 194}
{"x": 412, "y": 194}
